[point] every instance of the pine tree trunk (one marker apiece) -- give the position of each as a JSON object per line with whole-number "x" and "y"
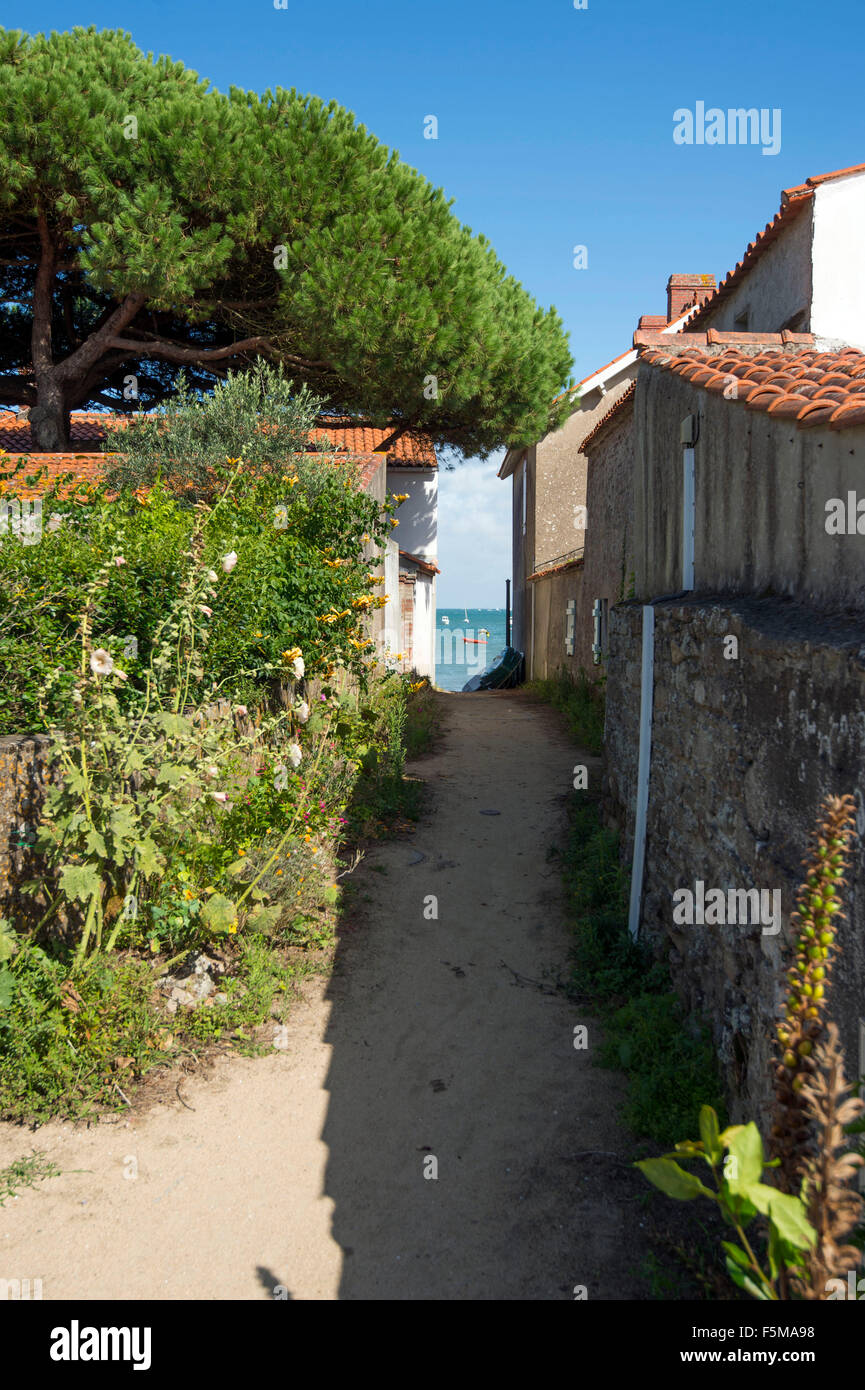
{"x": 49, "y": 420}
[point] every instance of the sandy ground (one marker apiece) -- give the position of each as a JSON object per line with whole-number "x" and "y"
{"x": 443, "y": 1039}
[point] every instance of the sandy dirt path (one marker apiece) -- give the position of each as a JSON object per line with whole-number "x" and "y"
{"x": 445, "y": 1039}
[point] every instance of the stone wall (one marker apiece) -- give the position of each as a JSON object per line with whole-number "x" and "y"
{"x": 743, "y": 752}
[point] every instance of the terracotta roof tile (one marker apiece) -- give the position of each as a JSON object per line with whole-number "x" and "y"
{"x": 92, "y": 427}
{"x": 426, "y": 565}
{"x": 790, "y": 382}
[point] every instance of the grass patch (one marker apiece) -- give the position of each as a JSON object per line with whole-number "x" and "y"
{"x": 71, "y": 1045}
{"x": 581, "y": 700}
{"x": 423, "y": 720}
{"x": 26, "y": 1172}
{"x": 667, "y": 1057}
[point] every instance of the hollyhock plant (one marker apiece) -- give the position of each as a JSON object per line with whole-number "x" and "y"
{"x": 229, "y": 561}
{"x": 101, "y": 662}
{"x": 294, "y": 755}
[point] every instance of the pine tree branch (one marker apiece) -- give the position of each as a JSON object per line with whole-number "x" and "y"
{"x": 170, "y": 352}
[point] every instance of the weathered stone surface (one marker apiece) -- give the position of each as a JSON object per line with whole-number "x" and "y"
{"x": 735, "y": 787}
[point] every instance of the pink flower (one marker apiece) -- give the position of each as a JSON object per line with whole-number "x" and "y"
{"x": 240, "y": 709}
{"x": 119, "y": 560}
{"x": 219, "y": 796}
{"x": 203, "y": 608}
{"x": 229, "y": 561}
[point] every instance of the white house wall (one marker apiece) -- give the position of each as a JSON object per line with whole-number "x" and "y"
{"x": 392, "y": 625}
{"x": 838, "y": 307}
{"x": 424, "y": 625}
{"x": 418, "y": 515}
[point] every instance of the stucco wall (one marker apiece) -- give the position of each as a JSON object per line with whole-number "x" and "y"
{"x": 609, "y": 554}
{"x": 549, "y": 599}
{"x": 838, "y": 309}
{"x": 743, "y": 752}
{"x": 776, "y": 287}
{"x": 761, "y": 488}
{"x": 418, "y": 515}
{"x": 562, "y": 479}
{"x": 522, "y": 549}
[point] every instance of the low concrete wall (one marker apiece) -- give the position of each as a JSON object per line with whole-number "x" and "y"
{"x": 743, "y": 752}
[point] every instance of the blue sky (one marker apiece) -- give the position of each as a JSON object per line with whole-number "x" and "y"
{"x": 555, "y": 129}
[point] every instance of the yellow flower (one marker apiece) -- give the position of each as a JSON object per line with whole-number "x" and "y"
{"x": 188, "y": 894}
{"x": 233, "y": 928}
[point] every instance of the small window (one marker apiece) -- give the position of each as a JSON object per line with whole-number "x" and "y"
{"x": 741, "y": 320}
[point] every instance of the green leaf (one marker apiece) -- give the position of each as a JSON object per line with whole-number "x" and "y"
{"x": 123, "y": 823}
{"x": 95, "y": 843}
{"x": 264, "y": 919}
{"x": 710, "y": 1133}
{"x": 8, "y": 940}
{"x": 79, "y": 882}
{"x": 737, "y": 1254}
{"x": 149, "y": 858}
{"x": 170, "y": 774}
{"x": 787, "y": 1214}
{"x": 672, "y": 1179}
{"x": 7, "y": 988}
{"x": 219, "y": 913}
{"x": 173, "y": 724}
{"x": 237, "y": 868}
{"x": 746, "y": 1147}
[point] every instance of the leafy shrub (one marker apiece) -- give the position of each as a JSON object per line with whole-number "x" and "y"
{"x": 581, "y": 699}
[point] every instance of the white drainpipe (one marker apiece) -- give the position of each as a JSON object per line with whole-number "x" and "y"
{"x": 644, "y": 764}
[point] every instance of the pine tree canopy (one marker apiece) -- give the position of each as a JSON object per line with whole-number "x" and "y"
{"x": 151, "y": 225}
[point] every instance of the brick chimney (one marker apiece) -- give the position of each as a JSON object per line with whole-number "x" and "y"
{"x": 684, "y": 291}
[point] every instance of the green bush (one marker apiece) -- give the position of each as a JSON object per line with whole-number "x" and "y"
{"x": 581, "y": 699}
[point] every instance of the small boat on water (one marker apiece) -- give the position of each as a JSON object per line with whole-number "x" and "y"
{"x": 446, "y": 621}
{"x": 476, "y": 641}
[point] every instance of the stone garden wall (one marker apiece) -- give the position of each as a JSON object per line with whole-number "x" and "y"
{"x": 744, "y": 748}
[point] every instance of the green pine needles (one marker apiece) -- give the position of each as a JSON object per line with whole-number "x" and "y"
{"x": 154, "y": 224}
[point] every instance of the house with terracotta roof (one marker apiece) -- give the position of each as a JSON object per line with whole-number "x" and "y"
{"x": 572, "y": 525}
{"x": 405, "y": 466}
{"x": 736, "y": 670}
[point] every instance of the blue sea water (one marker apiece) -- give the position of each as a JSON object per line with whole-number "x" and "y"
{"x": 458, "y": 660}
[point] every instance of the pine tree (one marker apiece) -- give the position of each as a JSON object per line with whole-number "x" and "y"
{"x": 150, "y": 224}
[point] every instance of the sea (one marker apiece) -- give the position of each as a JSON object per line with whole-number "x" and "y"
{"x": 458, "y": 660}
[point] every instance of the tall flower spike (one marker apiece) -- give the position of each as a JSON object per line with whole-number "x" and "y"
{"x": 803, "y": 1027}
{"x": 834, "y": 1207}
